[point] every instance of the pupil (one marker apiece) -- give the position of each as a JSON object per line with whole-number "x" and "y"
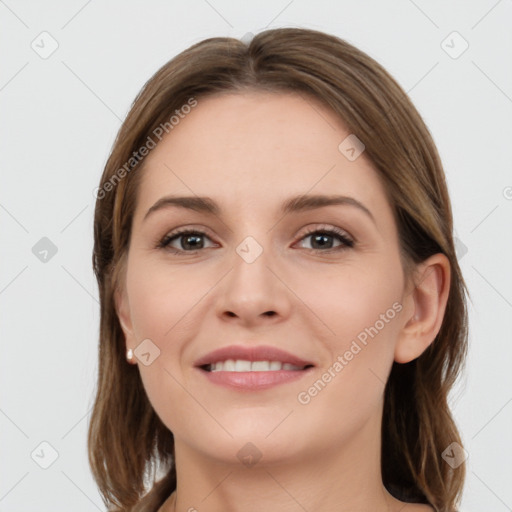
{"x": 191, "y": 246}
{"x": 323, "y": 237}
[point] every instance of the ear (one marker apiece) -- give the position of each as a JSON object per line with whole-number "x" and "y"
{"x": 123, "y": 313}
{"x": 425, "y": 304}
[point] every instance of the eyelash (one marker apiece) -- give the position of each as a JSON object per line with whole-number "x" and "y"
{"x": 347, "y": 243}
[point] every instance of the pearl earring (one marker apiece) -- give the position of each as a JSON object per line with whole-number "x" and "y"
{"x": 129, "y": 355}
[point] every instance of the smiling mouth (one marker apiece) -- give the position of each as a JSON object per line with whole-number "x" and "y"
{"x": 243, "y": 365}
{"x": 252, "y": 368}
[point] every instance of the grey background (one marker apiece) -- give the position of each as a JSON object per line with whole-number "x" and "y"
{"x": 59, "y": 118}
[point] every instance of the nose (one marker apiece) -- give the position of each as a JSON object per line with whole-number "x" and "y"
{"x": 254, "y": 292}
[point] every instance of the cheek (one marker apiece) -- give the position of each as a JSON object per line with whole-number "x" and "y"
{"x": 161, "y": 299}
{"x": 360, "y": 312}
{"x": 162, "y": 302}
{"x": 353, "y": 300}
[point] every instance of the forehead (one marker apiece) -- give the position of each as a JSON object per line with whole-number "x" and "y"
{"x": 247, "y": 149}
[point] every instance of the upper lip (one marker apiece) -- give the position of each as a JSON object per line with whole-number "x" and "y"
{"x": 251, "y": 353}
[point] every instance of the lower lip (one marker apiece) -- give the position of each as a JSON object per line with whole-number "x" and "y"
{"x": 254, "y": 381}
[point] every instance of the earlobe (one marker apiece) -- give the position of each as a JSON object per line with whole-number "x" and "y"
{"x": 427, "y": 302}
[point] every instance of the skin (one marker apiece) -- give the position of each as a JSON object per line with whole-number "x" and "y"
{"x": 323, "y": 455}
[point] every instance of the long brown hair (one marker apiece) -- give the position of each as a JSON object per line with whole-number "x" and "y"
{"x": 128, "y": 444}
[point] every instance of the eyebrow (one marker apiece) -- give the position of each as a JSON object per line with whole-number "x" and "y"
{"x": 291, "y": 205}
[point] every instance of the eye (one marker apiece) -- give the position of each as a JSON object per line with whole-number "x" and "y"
{"x": 189, "y": 241}
{"x": 322, "y": 239}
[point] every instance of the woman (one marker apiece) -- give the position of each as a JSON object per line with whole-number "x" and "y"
{"x": 282, "y": 312}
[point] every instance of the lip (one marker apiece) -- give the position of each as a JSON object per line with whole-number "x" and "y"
{"x": 253, "y": 381}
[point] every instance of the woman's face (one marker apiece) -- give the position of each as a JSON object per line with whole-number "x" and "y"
{"x": 254, "y": 279}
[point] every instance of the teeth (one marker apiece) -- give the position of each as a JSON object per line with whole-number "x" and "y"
{"x": 241, "y": 365}
{"x": 229, "y": 365}
{"x": 262, "y": 366}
